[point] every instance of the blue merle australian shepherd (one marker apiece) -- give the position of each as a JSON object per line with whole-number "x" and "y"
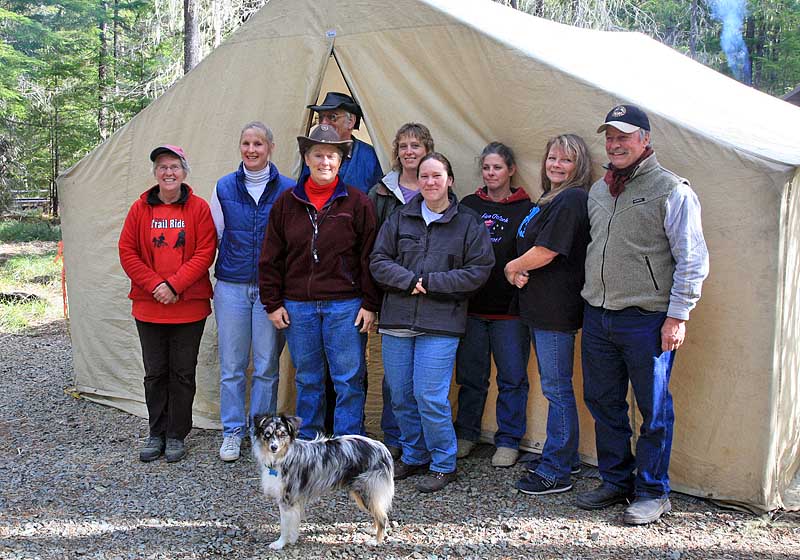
{"x": 295, "y": 472}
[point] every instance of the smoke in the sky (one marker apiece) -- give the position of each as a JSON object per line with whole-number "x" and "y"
{"x": 732, "y": 13}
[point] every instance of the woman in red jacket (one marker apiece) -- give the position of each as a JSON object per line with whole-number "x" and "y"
{"x": 166, "y": 247}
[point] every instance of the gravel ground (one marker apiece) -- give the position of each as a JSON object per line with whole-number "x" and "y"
{"x": 71, "y": 486}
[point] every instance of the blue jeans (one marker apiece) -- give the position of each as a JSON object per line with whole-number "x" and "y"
{"x": 509, "y": 342}
{"x": 320, "y": 331}
{"x": 389, "y": 427}
{"x": 622, "y": 346}
{"x": 242, "y": 326}
{"x": 555, "y": 353}
{"x": 419, "y": 370}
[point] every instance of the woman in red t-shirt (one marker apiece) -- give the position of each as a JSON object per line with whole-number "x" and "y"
{"x": 166, "y": 247}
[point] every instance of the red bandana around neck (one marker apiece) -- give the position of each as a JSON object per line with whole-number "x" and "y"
{"x": 616, "y": 178}
{"x": 318, "y": 195}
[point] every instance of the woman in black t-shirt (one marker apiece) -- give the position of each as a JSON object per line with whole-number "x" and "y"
{"x": 493, "y": 325}
{"x": 552, "y": 242}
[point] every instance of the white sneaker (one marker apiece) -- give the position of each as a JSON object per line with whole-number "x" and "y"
{"x": 464, "y": 448}
{"x": 505, "y": 457}
{"x": 229, "y": 451}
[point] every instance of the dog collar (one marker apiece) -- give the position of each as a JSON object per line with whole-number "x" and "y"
{"x": 273, "y": 472}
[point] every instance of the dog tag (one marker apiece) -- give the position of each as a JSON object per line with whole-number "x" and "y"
{"x": 273, "y": 472}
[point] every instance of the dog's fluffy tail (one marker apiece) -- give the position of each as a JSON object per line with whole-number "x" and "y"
{"x": 374, "y": 496}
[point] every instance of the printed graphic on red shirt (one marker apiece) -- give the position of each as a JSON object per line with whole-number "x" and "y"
{"x": 168, "y": 234}
{"x": 164, "y": 232}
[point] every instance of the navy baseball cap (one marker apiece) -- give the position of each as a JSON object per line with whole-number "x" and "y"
{"x": 627, "y": 118}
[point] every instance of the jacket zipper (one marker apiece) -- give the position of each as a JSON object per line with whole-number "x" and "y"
{"x": 424, "y": 256}
{"x": 650, "y": 269}
{"x": 312, "y": 216}
{"x": 605, "y": 245}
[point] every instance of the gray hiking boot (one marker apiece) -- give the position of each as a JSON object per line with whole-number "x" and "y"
{"x": 152, "y": 449}
{"x": 646, "y": 510}
{"x": 176, "y": 450}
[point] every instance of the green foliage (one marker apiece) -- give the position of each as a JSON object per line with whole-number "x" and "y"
{"x": 17, "y": 317}
{"x": 772, "y": 35}
{"x": 28, "y": 230}
{"x": 19, "y": 272}
{"x": 31, "y": 278}
{"x": 771, "y": 31}
{"x": 55, "y": 102}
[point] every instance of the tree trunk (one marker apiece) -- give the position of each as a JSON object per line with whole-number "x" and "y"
{"x": 102, "y": 73}
{"x": 757, "y": 53}
{"x": 216, "y": 22}
{"x": 115, "y": 56}
{"x": 191, "y": 36}
{"x": 693, "y": 31}
{"x": 54, "y": 159}
{"x": 749, "y": 41}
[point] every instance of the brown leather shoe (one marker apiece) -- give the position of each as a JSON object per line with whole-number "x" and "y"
{"x": 403, "y": 470}
{"x": 394, "y": 451}
{"x": 435, "y": 481}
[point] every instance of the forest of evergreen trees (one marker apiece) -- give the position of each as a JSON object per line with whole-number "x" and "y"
{"x": 73, "y": 71}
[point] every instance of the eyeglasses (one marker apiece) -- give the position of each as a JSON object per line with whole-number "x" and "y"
{"x": 331, "y": 117}
{"x": 171, "y": 168}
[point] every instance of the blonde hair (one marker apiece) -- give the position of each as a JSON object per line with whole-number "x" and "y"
{"x": 259, "y": 126}
{"x": 418, "y": 131}
{"x": 573, "y": 145}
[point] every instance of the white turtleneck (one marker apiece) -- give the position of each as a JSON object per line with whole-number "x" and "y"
{"x": 254, "y": 181}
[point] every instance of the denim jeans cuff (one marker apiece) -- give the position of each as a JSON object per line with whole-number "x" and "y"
{"x": 469, "y": 435}
{"x": 650, "y": 495}
{"x": 509, "y": 443}
{"x": 628, "y": 489}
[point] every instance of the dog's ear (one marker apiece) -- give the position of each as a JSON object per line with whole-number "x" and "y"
{"x": 258, "y": 423}
{"x": 294, "y": 422}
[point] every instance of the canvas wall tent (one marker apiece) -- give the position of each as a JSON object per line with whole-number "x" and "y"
{"x": 475, "y": 71}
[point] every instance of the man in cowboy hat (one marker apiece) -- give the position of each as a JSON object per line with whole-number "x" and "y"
{"x": 645, "y": 266}
{"x": 361, "y": 169}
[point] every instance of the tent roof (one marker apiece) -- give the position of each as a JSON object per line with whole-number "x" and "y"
{"x": 793, "y": 96}
{"x": 703, "y": 100}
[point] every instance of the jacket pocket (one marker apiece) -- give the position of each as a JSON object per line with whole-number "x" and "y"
{"x": 650, "y": 270}
{"x": 408, "y": 243}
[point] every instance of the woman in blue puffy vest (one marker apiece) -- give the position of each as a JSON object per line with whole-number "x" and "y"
{"x": 240, "y": 205}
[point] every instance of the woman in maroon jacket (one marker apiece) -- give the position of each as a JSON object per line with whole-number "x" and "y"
{"x": 315, "y": 283}
{"x": 166, "y": 246}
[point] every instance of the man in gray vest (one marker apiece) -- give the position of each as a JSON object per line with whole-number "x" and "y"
{"x": 645, "y": 266}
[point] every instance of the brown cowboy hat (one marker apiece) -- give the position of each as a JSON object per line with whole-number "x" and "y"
{"x": 324, "y": 134}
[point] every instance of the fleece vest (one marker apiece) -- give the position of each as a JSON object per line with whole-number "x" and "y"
{"x": 245, "y": 224}
{"x": 629, "y": 262}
